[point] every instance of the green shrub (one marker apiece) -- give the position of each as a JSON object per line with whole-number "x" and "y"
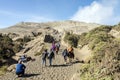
{"x": 6, "y": 47}
{"x": 105, "y": 60}
{"x": 26, "y": 39}
{"x": 72, "y": 39}
{"x": 3, "y": 70}
{"x": 101, "y": 29}
{"x": 94, "y": 38}
{"x": 117, "y": 27}
{"x": 17, "y": 47}
{"x": 83, "y": 40}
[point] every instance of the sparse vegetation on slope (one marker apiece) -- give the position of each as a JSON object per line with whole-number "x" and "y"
{"x": 3, "y": 70}
{"x": 6, "y": 50}
{"x": 24, "y": 40}
{"x": 105, "y": 61}
{"x": 71, "y": 39}
{"x": 117, "y": 27}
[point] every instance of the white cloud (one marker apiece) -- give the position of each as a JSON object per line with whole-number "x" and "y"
{"x": 99, "y": 12}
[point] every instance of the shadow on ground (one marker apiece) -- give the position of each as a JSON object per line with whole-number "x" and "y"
{"x": 68, "y": 64}
{"x": 30, "y": 75}
{"x": 62, "y": 65}
{"x": 75, "y": 62}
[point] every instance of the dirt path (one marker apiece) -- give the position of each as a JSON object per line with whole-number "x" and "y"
{"x": 35, "y": 71}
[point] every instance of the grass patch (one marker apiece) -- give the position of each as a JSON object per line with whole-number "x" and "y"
{"x": 105, "y": 61}
{"x": 71, "y": 39}
{"x": 40, "y": 52}
{"x": 3, "y": 69}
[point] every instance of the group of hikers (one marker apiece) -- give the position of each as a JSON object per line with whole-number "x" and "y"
{"x": 67, "y": 54}
{"x": 50, "y": 55}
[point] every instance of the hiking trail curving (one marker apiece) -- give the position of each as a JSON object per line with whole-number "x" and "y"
{"x": 35, "y": 71}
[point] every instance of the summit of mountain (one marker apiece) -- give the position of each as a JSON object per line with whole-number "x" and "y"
{"x": 61, "y": 26}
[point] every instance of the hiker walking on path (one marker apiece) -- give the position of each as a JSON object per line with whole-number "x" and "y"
{"x": 70, "y": 53}
{"x": 65, "y": 54}
{"x": 44, "y": 56}
{"x": 51, "y": 55}
{"x": 20, "y": 68}
{"x": 53, "y": 46}
{"x": 57, "y": 47}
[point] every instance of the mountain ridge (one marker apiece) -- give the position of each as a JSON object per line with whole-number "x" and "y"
{"x": 58, "y": 25}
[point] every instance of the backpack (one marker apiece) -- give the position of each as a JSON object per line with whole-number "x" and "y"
{"x": 58, "y": 45}
{"x": 51, "y": 54}
{"x": 57, "y": 48}
{"x": 65, "y": 53}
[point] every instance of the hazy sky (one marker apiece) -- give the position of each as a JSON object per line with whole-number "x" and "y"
{"x": 95, "y": 11}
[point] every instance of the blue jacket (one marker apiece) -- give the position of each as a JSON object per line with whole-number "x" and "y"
{"x": 20, "y": 67}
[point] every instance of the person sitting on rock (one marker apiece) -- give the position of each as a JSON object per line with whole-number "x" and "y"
{"x": 20, "y": 69}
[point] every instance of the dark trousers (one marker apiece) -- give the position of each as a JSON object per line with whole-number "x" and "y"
{"x": 20, "y": 73}
{"x": 65, "y": 58}
{"x": 50, "y": 61}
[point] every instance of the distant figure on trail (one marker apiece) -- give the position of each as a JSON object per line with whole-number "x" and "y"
{"x": 65, "y": 54}
{"x": 20, "y": 69}
{"x": 51, "y": 55}
{"x": 44, "y": 56}
{"x": 23, "y": 58}
{"x": 57, "y": 47}
{"x": 70, "y": 53}
{"x": 53, "y": 46}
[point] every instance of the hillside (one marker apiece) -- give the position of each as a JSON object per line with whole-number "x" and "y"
{"x": 104, "y": 63}
{"x": 101, "y": 45}
{"x": 98, "y": 47}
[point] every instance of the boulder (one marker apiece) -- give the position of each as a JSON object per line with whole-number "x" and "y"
{"x": 11, "y": 68}
{"x": 48, "y": 39}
